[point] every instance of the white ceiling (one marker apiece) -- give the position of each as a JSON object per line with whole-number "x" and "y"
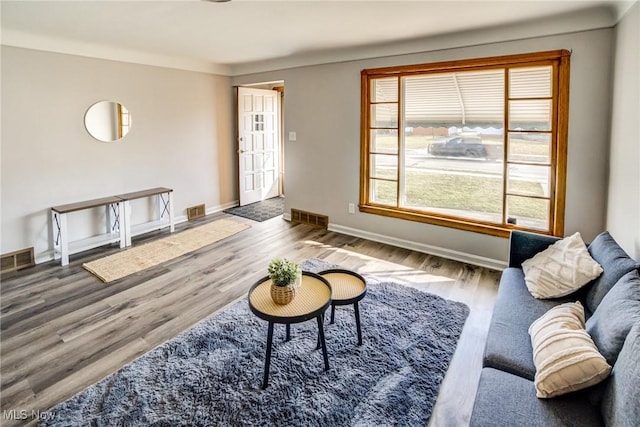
{"x": 255, "y": 35}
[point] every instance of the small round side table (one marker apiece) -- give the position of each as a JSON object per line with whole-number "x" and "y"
{"x": 312, "y": 299}
{"x": 348, "y": 287}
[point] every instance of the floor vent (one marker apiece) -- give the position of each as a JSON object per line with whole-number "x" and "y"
{"x": 196, "y": 212}
{"x": 16, "y": 260}
{"x": 309, "y": 218}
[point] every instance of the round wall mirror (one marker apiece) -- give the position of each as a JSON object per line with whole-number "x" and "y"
{"x": 107, "y": 121}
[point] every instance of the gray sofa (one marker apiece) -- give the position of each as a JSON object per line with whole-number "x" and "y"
{"x": 506, "y": 393}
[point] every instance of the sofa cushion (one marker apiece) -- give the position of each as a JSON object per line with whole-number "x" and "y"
{"x": 615, "y": 262}
{"x": 565, "y": 356}
{"x": 508, "y": 346}
{"x": 616, "y": 314}
{"x": 621, "y": 402}
{"x": 505, "y": 400}
{"x": 561, "y": 269}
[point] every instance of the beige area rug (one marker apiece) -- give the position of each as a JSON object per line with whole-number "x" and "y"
{"x": 141, "y": 257}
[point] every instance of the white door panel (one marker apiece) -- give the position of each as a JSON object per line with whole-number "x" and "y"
{"x": 258, "y": 147}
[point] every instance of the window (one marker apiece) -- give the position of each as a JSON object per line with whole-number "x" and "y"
{"x": 478, "y": 145}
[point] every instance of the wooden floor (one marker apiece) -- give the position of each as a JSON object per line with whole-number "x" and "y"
{"x": 62, "y": 329}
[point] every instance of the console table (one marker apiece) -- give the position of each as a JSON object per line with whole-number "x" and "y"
{"x": 119, "y": 225}
{"x": 62, "y": 247}
{"x": 165, "y": 212}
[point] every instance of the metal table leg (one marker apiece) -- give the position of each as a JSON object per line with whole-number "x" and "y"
{"x": 357, "y": 311}
{"x": 324, "y": 344}
{"x": 318, "y": 339}
{"x": 267, "y": 361}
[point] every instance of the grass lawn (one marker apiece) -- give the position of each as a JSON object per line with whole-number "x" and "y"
{"x": 475, "y": 193}
{"x": 469, "y": 192}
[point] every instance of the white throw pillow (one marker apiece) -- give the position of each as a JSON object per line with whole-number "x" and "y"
{"x": 564, "y": 354}
{"x": 561, "y": 269}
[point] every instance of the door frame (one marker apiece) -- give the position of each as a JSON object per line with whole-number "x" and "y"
{"x": 278, "y": 86}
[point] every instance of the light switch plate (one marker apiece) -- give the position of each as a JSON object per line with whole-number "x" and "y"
{"x": 292, "y": 136}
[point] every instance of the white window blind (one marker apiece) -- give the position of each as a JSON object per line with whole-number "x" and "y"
{"x": 471, "y": 98}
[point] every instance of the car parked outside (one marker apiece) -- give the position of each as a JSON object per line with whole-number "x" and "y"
{"x": 464, "y": 146}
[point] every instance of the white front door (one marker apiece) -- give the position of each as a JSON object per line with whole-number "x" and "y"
{"x": 258, "y": 144}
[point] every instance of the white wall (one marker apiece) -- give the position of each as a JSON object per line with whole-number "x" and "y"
{"x": 322, "y": 104}
{"x": 623, "y": 207}
{"x": 182, "y": 138}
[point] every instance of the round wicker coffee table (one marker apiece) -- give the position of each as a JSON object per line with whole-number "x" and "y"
{"x": 348, "y": 288}
{"x": 311, "y": 300}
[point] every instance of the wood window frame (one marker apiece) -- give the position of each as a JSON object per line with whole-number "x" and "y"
{"x": 559, "y": 134}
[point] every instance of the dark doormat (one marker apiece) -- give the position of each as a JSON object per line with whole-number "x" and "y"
{"x": 260, "y": 211}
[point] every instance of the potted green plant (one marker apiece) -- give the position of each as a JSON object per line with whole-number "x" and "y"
{"x": 284, "y": 275}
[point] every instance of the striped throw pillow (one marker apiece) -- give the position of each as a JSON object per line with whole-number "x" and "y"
{"x": 564, "y": 354}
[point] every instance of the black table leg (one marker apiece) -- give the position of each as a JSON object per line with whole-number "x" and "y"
{"x": 267, "y": 361}
{"x": 324, "y": 344}
{"x": 357, "y": 311}
{"x": 318, "y": 339}
{"x": 333, "y": 312}
{"x": 288, "y": 332}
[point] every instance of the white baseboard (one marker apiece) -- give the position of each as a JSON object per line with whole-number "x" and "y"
{"x": 209, "y": 211}
{"x": 45, "y": 256}
{"x": 421, "y": 247}
{"x": 222, "y": 207}
{"x": 381, "y": 238}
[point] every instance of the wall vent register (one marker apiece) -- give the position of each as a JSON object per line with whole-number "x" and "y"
{"x": 309, "y": 218}
{"x": 18, "y": 259}
{"x": 195, "y": 212}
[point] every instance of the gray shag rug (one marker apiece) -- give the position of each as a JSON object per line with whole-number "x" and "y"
{"x": 211, "y": 375}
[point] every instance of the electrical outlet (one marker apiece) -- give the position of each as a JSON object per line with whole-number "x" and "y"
{"x": 352, "y": 208}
